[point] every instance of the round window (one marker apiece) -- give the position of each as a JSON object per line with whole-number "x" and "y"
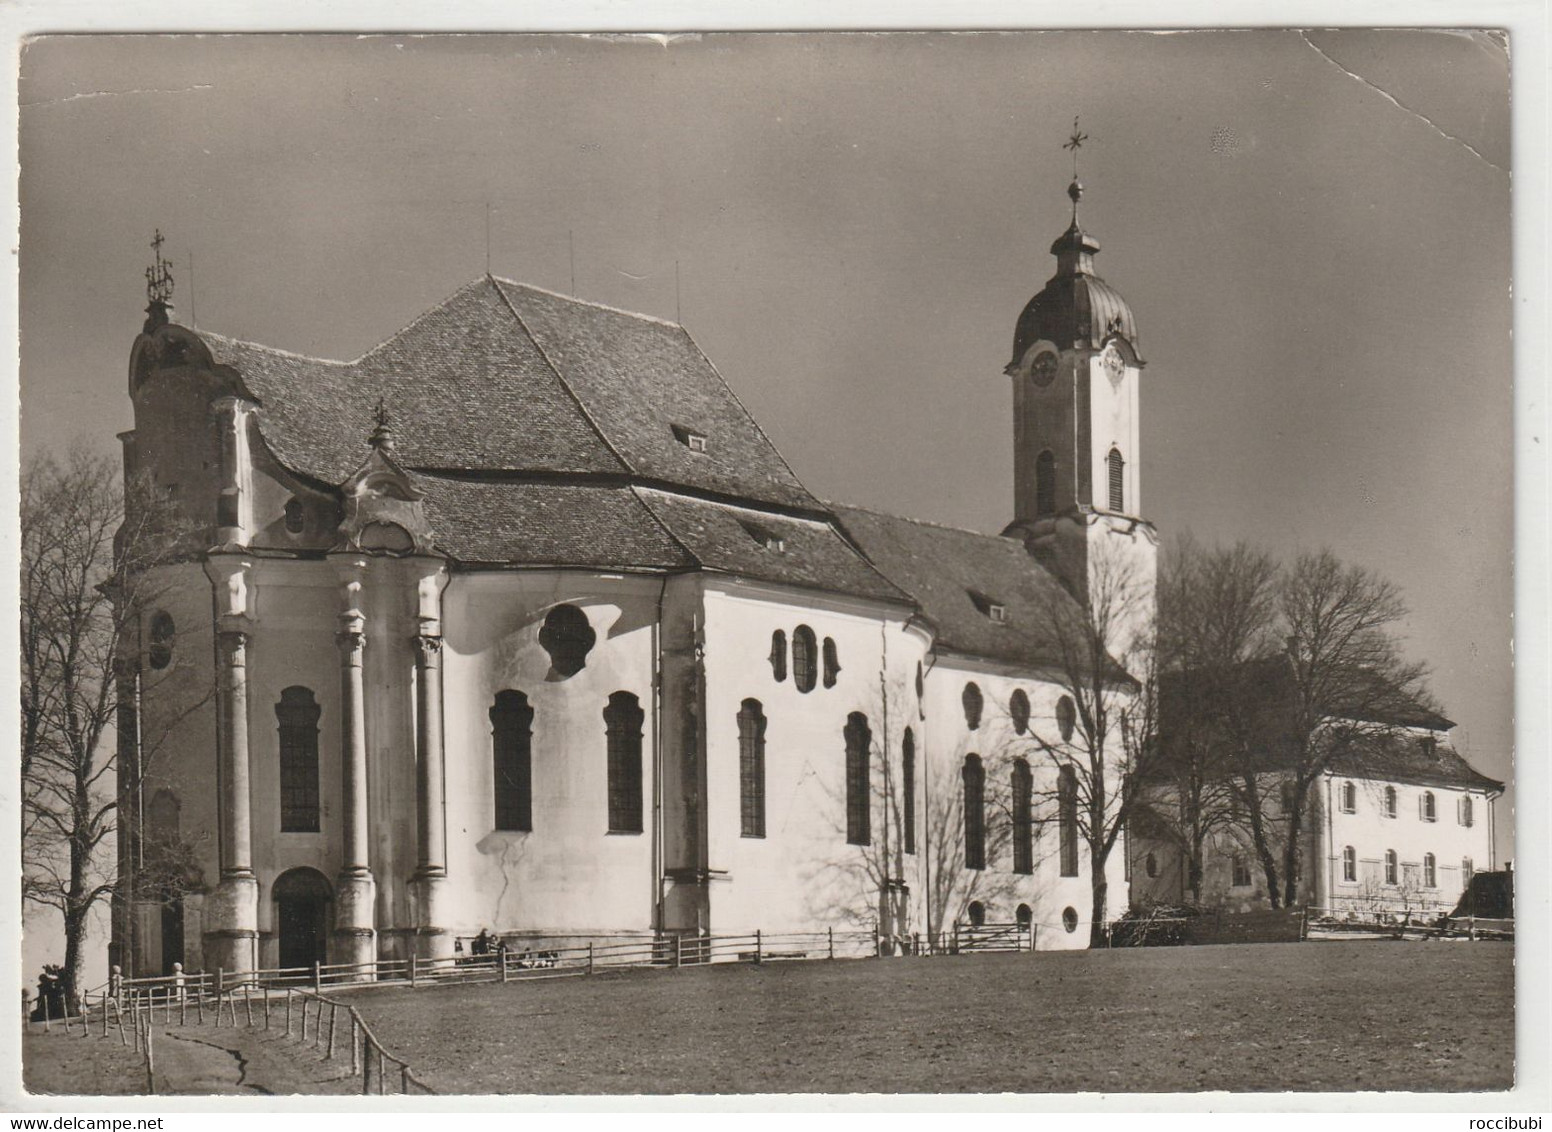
{"x": 1070, "y": 918}
{"x": 163, "y": 633}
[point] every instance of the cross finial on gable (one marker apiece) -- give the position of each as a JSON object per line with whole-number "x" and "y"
{"x": 382, "y": 435}
{"x": 159, "y": 281}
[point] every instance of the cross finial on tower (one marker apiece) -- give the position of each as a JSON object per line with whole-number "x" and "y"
{"x": 159, "y": 281}
{"x": 1075, "y": 142}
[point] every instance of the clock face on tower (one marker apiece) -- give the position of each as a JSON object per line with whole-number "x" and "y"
{"x": 1044, "y": 370}
{"x": 1115, "y": 368}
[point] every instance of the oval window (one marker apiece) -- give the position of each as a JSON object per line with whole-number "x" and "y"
{"x": 805, "y": 668}
{"x": 1070, "y": 918}
{"x": 1018, "y": 708}
{"x": 1066, "y": 717}
{"x": 568, "y": 637}
{"x": 163, "y": 633}
{"x": 973, "y": 703}
{"x": 296, "y": 516}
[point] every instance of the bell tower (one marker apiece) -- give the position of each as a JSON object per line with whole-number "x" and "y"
{"x": 1077, "y": 478}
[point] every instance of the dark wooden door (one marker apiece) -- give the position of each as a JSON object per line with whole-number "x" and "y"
{"x": 303, "y": 930}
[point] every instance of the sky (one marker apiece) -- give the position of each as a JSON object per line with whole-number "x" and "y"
{"x": 1312, "y": 229}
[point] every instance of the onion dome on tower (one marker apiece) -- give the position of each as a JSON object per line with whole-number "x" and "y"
{"x": 1076, "y": 308}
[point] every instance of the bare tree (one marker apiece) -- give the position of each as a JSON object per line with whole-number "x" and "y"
{"x": 1351, "y": 690}
{"x": 1102, "y": 651}
{"x": 1216, "y": 613}
{"x": 85, "y": 572}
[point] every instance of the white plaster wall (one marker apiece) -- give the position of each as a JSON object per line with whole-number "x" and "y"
{"x": 1115, "y": 421}
{"x": 802, "y": 875}
{"x": 570, "y": 875}
{"x": 1371, "y": 833}
{"x": 1047, "y": 892}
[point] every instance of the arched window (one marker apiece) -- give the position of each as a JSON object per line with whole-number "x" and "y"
{"x": 1287, "y": 796}
{"x": 568, "y": 637}
{"x": 908, "y": 773}
{"x": 1466, "y": 816}
{"x": 1018, "y": 710}
{"x": 1349, "y": 864}
{"x": 779, "y": 655}
{"x": 297, "y": 713}
{"x": 975, "y": 812}
{"x": 296, "y": 516}
{"x": 511, "y": 729}
{"x": 751, "y": 768}
{"x": 804, "y": 666}
{"x": 1427, "y": 810}
{"x": 1430, "y": 871}
{"x": 858, "y": 738}
{"x": 1023, "y": 817}
{"x": 1466, "y": 872}
{"x": 1045, "y": 483}
{"x": 1390, "y": 866}
{"x": 1067, "y": 818}
{"x": 163, "y": 636}
{"x": 832, "y": 664}
{"x": 1023, "y": 915}
{"x": 1349, "y": 798}
{"x": 977, "y": 913}
{"x": 622, "y": 726}
{"x": 1150, "y": 864}
{"x": 1390, "y": 801}
{"x": 921, "y": 691}
{"x": 1117, "y": 480}
{"x": 1066, "y": 717}
{"x": 973, "y": 704}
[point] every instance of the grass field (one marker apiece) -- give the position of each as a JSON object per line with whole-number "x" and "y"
{"x": 61, "y": 1062}
{"x": 1369, "y": 1015}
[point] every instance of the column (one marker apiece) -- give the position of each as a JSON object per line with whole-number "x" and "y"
{"x": 355, "y": 902}
{"x": 232, "y": 910}
{"x": 234, "y": 506}
{"x": 433, "y": 940}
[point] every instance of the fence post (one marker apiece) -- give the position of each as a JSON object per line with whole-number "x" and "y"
{"x": 333, "y": 1019}
{"x": 414, "y": 972}
{"x": 150, "y": 1059}
{"x": 317, "y": 976}
{"x": 366, "y": 1065}
{"x": 404, "y": 1078}
{"x": 355, "y": 1045}
{"x": 758, "y": 956}
{"x": 678, "y": 959}
{"x": 105, "y": 1014}
{"x": 288, "y": 1012}
{"x": 266, "y": 1008}
{"x": 503, "y": 956}
{"x": 304, "y": 1021}
{"x": 589, "y": 957}
{"x": 830, "y": 935}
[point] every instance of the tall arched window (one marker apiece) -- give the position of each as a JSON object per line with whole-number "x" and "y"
{"x": 1349, "y": 864}
{"x": 1023, "y": 915}
{"x": 511, "y": 729}
{"x": 1023, "y": 817}
{"x": 622, "y": 725}
{"x": 1067, "y": 817}
{"x": 908, "y": 773}
{"x": 163, "y": 819}
{"x": 1390, "y": 866}
{"x": 858, "y": 738}
{"x": 1426, "y": 808}
{"x": 832, "y": 663}
{"x": 779, "y": 655}
{"x": 1018, "y": 710}
{"x": 804, "y": 662}
{"x": 975, "y": 812}
{"x": 1117, "y": 468}
{"x": 751, "y": 768}
{"x": 1390, "y": 801}
{"x": 973, "y": 704}
{"x": 1349, "y": 798}
{"x": 1066, "y": 718}
{"x": 1466, "y": 872}
{"x": 976, "y": 912}
{"x": 1045, "y": 483}
{"x": 1466, "y": 816}
{"x": 297, "y": 713}
{"x": 1430, "y": 871}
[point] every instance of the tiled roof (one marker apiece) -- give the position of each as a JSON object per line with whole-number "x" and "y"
{"x": 956, "y": 576}
{"x": 1403, "y": 758}
{"x": 769, "y": 547}
{"x": 531, "y": 524}
{"x": 507, "y": 378}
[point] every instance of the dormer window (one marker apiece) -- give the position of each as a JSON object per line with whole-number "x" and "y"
{"x": 694, "y": 441}
{"x": 765, "y": 537}
{"x": 990, "y": 608}
{"x": 998, "y": 613}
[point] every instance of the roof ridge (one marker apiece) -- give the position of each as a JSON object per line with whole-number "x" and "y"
{"x": 203, "y": 334}
{"x": 832, "y": 504}
{"x": 425, "y": 314}
{"x": 502, "y": 282}
{"x": 506, "y": 301}
{"x": 664, "y": 527}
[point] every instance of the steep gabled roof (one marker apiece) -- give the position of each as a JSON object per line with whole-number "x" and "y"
{"x": 507, "y": 378}
{"x": 958, "y": 576}
{"x": 1404, "y": 758}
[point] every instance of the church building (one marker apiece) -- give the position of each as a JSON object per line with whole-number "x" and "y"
{"x": 519, "y": 622}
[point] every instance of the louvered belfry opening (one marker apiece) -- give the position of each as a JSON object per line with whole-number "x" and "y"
{"x": 1117, "y": 480}
{"x": 1045, "y": 483}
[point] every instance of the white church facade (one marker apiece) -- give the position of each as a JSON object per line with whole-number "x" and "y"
{"x": 520, "y": 623}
